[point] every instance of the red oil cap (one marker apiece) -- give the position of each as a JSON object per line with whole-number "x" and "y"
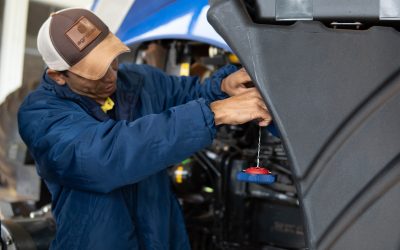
{"x": 256, "y": 170}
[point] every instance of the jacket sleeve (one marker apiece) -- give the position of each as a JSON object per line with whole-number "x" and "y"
{"x": 173, "y": 90}
{"x": 75, "y": 150}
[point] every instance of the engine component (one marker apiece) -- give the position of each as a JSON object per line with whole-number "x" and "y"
{"x": 27, "y": 233}
{"x": 235, "y": 214}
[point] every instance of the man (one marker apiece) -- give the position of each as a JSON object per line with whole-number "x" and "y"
{"x": 102, "y": 135}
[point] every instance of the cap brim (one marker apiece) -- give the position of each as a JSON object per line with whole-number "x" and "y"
{"x": 95, "y": 64}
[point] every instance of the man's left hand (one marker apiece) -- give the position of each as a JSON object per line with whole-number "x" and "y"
{"x": 236, "y": 83}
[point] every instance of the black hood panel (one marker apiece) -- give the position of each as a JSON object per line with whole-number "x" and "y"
{"x": 335, "y": 97}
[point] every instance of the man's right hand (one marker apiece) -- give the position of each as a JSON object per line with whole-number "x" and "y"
{"x": 241, "y": 108}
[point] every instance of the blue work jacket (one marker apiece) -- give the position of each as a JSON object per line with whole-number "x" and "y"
{"x": 107, "y": 175}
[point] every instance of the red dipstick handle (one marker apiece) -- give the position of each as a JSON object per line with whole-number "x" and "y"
{"x": 256, "y": 170}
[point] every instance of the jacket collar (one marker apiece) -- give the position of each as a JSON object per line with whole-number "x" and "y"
{"x": 64, "y": 92}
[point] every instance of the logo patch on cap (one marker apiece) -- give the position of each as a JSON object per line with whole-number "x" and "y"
{"x": 82, "y": 33}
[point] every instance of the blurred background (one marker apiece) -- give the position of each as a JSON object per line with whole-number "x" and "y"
{"x": 21, "y": 68}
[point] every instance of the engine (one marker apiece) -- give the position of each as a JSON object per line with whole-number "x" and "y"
{"x": 224, "y": 213}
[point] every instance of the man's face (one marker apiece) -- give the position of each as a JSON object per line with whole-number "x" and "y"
{"x": 98, "y": 90}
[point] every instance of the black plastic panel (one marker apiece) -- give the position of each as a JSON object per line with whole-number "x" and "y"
{"x": 346, "y": 9}
{"x": 327, "y": 10}
{"x": 335, "y": 96}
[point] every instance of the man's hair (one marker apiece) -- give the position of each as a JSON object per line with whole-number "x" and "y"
{"x": 63, "y": 72}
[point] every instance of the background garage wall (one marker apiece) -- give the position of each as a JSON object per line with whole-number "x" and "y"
{"x": 18, "y": 178}
{"x": 19, "y": 23}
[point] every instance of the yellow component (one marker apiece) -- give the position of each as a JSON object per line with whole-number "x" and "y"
{"x": 178, "y": 174}
{"x": 208, "y": 190}
{"x": 185, "y": 69}
{"x": 108, "y": 105}
{"x": 233, "y": 58}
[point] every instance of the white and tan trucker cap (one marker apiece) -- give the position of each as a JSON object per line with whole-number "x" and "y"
{"x": 78, "y": 41}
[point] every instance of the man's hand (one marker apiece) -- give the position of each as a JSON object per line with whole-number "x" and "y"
{"x": 236, "y": 83}
{"x": 241, "y": 108}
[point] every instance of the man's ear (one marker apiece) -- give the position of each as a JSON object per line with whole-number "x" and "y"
{"x": 58, "y": 77}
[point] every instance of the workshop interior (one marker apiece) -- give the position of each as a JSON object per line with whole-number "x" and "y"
{"x": 329, "y": 71}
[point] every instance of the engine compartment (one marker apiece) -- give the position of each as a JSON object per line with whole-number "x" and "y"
{"x": 224, "y": 213}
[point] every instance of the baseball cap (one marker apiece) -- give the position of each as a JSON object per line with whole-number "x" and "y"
{"x": 77, "y": 40}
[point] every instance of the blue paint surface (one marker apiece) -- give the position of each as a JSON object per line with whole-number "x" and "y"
{"x": 168, "y": 19}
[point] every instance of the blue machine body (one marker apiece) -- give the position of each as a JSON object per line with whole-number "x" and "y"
{"x": 149, "y": 20}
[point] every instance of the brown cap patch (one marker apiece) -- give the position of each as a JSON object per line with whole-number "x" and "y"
{"x": 82, "y": 33}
